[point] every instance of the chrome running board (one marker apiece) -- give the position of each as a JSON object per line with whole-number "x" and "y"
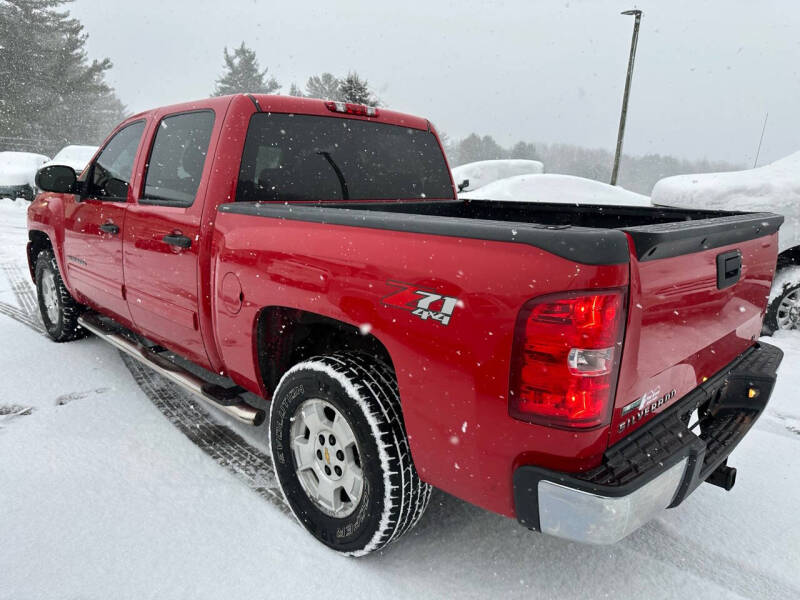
{"x": 227, "y": 400}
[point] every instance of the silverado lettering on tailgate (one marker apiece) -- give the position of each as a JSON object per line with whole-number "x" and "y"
{"x": 645, "y": 405}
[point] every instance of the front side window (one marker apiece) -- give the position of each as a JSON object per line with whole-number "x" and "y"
{"x": 177, "y": 159}
{"x": 303, "y": 157}
{"x": 111, "y": 172}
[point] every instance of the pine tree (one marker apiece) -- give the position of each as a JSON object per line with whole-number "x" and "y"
{"x": 523, "y": 150}
{"x": 354, "y": 89}
{"x": 51, "y": 94}
{"x": 294, "y": 90}
{"x": 324, "y": 86}
{"x": 242, "y": 74}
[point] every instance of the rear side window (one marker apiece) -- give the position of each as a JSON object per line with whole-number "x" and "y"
{"x": 177, "y": 159}
{"x": 111, "y": 172}
{"x": 302, "y": 157}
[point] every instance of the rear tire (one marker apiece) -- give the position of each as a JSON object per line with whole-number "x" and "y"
{"x": 361, "y": 393}
{"x": 783, "y": 313}
{"x": 59, "y": 310}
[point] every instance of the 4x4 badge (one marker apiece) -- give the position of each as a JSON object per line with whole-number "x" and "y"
{"x": 423, "y": 303}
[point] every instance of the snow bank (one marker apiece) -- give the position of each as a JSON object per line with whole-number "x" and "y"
{"x": 484, "y": 172}
{"x": 557, "y": 188}
{"x": 773, "y": 188}
{"x": 12, "y": 203}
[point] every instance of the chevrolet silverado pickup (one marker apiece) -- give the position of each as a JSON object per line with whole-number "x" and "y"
{"x": 578, "y": 368}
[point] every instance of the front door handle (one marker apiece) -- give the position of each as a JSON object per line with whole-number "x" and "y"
{"x": 181, "y": 241}
{"x": 110, "y": 228}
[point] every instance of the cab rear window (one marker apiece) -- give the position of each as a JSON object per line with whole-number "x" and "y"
{"x": 302, "y": 157}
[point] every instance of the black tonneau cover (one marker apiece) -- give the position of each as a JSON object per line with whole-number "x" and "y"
{"x": 588, "y": 234}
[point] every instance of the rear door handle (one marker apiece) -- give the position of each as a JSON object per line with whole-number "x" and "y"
{"x": 181, "y": 241}
{"x": 110, "y": 228}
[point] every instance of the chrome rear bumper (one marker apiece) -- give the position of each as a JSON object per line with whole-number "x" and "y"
{"x": 656, "y": 466}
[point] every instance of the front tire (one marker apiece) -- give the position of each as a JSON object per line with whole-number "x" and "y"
{"x": 341, "y": 453}
{"x": 59, "y": 310}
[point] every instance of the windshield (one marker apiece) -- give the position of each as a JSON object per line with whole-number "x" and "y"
{"x": 301, "y": 157}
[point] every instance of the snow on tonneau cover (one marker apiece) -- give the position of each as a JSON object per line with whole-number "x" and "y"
{"x": 687, "y": 320}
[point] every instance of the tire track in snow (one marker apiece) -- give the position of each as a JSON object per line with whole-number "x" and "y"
{"x": 22, "y": 288}
{"x": 21, "y": 317}
{"x": 250, "y": 465}
{"x": 706, "y": 563}
{"x": 27, "y": 312}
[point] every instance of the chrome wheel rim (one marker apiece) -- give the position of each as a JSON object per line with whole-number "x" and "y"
{"x": 50, "y": 296}
{"x": 788, "y": 315}
{"x": 327, "y": 459}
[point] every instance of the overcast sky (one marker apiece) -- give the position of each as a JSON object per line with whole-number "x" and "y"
{"x": 706, "y": 72}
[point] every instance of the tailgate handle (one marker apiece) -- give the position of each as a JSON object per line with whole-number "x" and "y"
{"x": 729, "y": 268}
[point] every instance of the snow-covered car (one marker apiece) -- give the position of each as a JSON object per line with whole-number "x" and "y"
{"x": 18, "y": 174}
{"x": 564, "y": 189}
{"x": 772, "y": 188}
{"x": 484, "y": 172}
{"x": 74, "y": 156}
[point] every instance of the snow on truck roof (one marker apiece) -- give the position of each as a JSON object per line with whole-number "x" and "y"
{"x": 563, "y": 189}
{"x": 75, "y": 156}
{"x": 19, "y": 168}
{"x": 772, "y": 188}
{"x": 484, "y": 172}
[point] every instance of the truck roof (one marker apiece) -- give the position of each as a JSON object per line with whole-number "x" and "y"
{"x": 293, "y": 104}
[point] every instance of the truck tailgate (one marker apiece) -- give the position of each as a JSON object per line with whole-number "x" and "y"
{"x": 698, "y": 294}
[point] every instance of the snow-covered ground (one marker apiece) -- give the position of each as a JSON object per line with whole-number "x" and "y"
{"x": 566, "y": 189}
{"x": 111, "y": 487}
{"x": 484, "y": 172}
{"x": 774, "y": 188}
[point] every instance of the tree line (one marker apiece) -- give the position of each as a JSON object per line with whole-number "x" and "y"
{"x": 52, "y": 95}
{"x": 637, "y": 173}
{"x": 242, "y": 73}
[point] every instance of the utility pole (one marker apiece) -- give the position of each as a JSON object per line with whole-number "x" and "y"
{"x": 761, "y": 139}
{"x": 637, "y": 14}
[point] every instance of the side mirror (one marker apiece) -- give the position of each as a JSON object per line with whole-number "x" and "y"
{"x": 57, "y": 178}
{"x": 463, "y": 185}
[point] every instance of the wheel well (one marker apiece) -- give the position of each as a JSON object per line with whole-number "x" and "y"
{"x": 38, "y": 241}
{"x": 287, "y": 336}
{"x": 789, "y": 257}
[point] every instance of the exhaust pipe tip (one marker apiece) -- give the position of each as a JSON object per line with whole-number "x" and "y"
{"x": 723, "y": 476}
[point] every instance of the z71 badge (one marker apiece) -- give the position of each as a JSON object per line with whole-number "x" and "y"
{"x": 425, "y": 304}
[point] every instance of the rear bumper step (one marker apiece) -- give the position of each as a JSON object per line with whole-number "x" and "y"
{"x": 657, "y": 466}
{"x": 225, "y": 400}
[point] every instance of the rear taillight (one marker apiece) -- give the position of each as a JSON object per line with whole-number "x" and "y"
{"x": 352, "y": 109}
{"x": 566, "y": 359}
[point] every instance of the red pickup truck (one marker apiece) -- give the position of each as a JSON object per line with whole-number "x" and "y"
{"x": 579, "y": 368}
